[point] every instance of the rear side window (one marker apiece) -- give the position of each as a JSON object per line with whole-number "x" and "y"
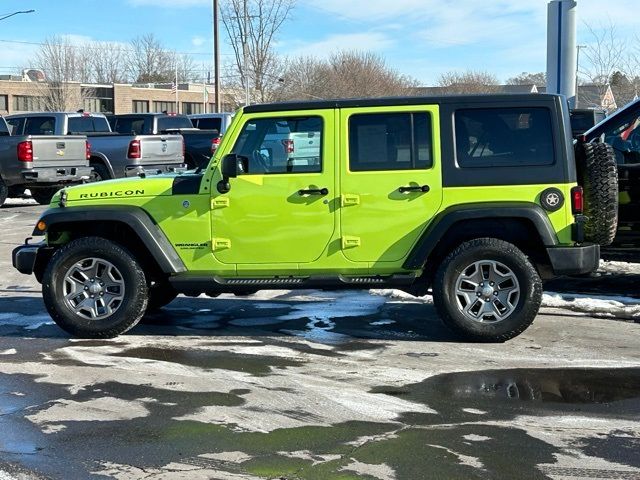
{"x": 129, "y": 126}
{"x": 173, "y": 123}
{"x": 504, "y": 137}
{"x": 40, "y": 126}
{"x": 15, "y": 125}
{"x": 88, "y": 125}
{"x": 208, "y": 123}
{"x": 390, "y": 141}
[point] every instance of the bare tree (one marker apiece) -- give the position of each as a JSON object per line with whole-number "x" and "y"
{"x": 470, "y": 81}
{"x": 63, "y": 67}
{"x": 148, "y": 61}
{"x": 108, "y": 62}
{"x": 525, "y": 78}
{"x": 254, "y": 24}
{"x": 343, "y": 75}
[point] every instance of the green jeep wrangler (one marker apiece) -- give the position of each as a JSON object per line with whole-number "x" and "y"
{"x": 473, "y": 198}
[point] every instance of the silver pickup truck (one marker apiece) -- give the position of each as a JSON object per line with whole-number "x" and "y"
{"x": 43, "y": 164}
{"x": 113, "y": 155}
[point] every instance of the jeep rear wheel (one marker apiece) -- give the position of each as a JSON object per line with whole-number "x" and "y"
{"x": 94, "y": 288}
{"x": 487, "y": 290}
{"x": 598, "y": 174}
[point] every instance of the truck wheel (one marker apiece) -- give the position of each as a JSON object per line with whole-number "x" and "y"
{"x": 598, "y": 175}
{"x": 100, "y": 172}
{"x": 4, "y": 192}
{"x": 487, "y": 290}
{"x": 160, "y": 294}
{"x": 44, "y": 195}
{"x": 94, "y": 288}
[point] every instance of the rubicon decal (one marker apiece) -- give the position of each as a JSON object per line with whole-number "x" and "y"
{"x": 117, "y": 193}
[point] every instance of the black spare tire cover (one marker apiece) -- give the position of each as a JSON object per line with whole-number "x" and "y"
{"x": 598, "y": 175}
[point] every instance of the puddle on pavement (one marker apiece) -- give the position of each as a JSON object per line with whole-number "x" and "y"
{"x": 207, "y": 359}
{"x": 542, "y": 386}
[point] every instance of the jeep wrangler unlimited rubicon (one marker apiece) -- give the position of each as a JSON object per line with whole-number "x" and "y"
{"x": 473, "y": 197}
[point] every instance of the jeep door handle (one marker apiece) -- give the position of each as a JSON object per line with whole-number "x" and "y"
{"x": 314, "y": 191}
{"x": 417, "y": 188}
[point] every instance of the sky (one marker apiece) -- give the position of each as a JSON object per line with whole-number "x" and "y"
{"x": 418, "y": 38}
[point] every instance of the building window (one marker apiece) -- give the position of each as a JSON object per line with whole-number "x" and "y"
{"x": 189, "y": 108}
{"x": 4, "y": 102}
{"x": 140, "y": 106}
{"x": 504, "y": 137}
{"x": 26, "y": 103}
{"x": 390, "y": 141}
{"x": 99, "y": 105}
{"x": 169, "y": 107}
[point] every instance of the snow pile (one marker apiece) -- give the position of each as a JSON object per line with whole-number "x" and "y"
{"x": 607, "y": 306}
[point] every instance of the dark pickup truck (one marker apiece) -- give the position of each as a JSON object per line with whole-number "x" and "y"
{"x": 199, "y": 144}
{"x": 43, "y": 164}
{"x": 113, "y": 155}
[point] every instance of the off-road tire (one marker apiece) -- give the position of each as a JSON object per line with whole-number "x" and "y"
{"x": 133, "y": 304}
{"x": 100, "y": 172}
{"x": 4, "y": 192}
{"x": 44, "y": 195}
{"x": 16, "y": 191}
{"x": 160, "y": 295}
{"x": 598, "y": 175}
{"x": 491, "y": 249}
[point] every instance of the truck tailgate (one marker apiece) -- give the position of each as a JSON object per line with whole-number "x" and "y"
{"x": 161, "y": 148}
{"x": 52, "y": 151}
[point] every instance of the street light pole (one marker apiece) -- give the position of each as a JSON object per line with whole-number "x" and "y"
{"x": 245, "y": 51}
{"x": 216, "y": 56}
{"x": 16, "y": 13}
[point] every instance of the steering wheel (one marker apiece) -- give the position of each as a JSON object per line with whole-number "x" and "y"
{"x": 258, "y": 159}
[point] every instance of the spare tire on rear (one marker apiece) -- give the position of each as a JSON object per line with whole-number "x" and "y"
{"x": 598, "y": 175}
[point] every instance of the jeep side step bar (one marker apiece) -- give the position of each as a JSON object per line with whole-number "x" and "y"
{"x": 193, "y": 285}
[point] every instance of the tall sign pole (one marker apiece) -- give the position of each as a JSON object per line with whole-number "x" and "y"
{"x": 562, "y": 54}
{"x": 216, "y": 56}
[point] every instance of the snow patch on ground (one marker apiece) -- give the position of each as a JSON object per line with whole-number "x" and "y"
{"x": 11, "y": 351}
{"x": 609, "y": 306}
{"x": 619, "y": 267}
{"x": 106, "y": 409}
{"x": 28, "y": 322}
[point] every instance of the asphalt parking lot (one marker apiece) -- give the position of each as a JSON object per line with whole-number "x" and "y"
{"x": 313, "y": 385}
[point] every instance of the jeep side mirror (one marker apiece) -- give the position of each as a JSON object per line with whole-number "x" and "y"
{"x": 232, "y": 165}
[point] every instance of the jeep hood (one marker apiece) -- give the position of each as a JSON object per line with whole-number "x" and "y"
{"x": 135, "y": 187}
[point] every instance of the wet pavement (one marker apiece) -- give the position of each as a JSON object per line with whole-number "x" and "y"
{"x": 311, "y": 385}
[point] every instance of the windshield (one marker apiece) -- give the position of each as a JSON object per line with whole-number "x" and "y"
{"x": 88, "y": 124}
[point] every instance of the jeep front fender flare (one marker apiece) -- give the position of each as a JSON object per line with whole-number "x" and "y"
{"x": 152, "y": 237}
{"x": 451, "y": 216}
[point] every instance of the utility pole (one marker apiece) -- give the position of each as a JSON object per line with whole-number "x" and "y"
{"x": 245, "y": 52}
{"x": 216, "y": 56}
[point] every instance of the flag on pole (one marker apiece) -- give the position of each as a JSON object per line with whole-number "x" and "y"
{"x": 206, "y": 94}
{"x": 174, "y": 88}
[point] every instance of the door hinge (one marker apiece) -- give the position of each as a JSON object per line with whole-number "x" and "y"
{"x": 221, "y": 244}
{"x": 220, "y": 202}
{"x": 350, "y": 242}
{"x": 349, "y": 200}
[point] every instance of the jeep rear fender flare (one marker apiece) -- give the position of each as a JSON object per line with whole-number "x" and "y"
{"x": 152, "y": 237}
{"x": 444, "y": 221}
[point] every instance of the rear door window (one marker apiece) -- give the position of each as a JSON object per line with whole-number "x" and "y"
{"x": 173, "y": 123}
{"x": 207, "y": 123}
{"x": 88, "y": 124}
{"x": 129, "y": 126}
{"x": 15, "y": 125}
{"x": 390, "y": 141}
{"x": 504, "y": 137}
{"x": 40, "y": 126}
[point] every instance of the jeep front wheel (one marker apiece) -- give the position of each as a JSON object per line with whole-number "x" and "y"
{"x": 487, "y": 290}
{"x": 94, "y": 288}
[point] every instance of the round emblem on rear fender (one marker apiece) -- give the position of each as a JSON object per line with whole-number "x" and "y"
{"x": 552, "y": 199}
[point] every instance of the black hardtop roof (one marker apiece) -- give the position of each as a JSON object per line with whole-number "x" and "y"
{"x": 398, "y": 101}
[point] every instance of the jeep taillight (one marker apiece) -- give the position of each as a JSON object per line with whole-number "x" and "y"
{"x": 134, "y": 149}
{"x": 25, "y": 152}
{"x": 288, "y": 146}
{"x": 88, "y": 150}
{"x": 215, "y": 143}
{"x": 577, "y": 200}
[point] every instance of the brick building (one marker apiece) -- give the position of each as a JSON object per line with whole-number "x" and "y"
{"x": 17, "y": 96}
